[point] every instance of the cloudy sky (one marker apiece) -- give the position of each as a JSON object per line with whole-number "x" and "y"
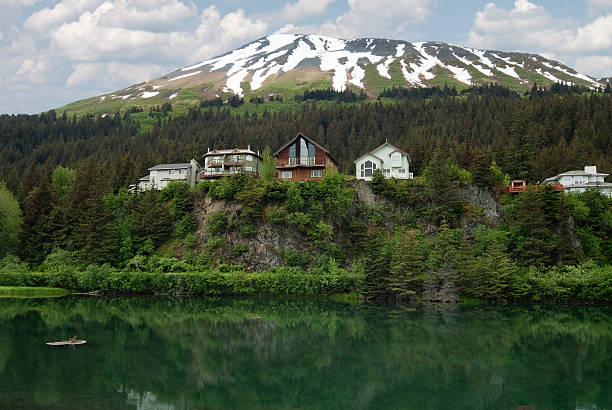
{"x": 54, "y": 52}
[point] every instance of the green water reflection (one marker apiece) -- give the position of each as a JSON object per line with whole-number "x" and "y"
{"x": 186, "y": 353}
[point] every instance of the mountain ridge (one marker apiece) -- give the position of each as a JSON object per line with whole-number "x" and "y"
{"x": 288, "y": 64}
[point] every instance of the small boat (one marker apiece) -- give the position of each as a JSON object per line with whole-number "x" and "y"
{"x": 73, "y": 341}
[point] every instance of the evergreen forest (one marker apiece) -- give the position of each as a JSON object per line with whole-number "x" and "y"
{"x": 67, "y": 218}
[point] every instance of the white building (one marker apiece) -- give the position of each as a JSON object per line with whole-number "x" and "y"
{"x": 580, "y": 181}
{"x": 160, "y": 175}
{"x": 393, "y": 161}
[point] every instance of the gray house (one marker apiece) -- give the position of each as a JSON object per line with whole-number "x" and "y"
{"x": 224, "y": 162}
{"x": 160, "y": 175}
{"x": 580, "y": 181}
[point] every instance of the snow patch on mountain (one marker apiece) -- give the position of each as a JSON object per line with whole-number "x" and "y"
{"x": 345, "y": 60}
{"x": 185, "y": 75}
{"x": 383, "y": 68}
{"x": 149, "y": 94}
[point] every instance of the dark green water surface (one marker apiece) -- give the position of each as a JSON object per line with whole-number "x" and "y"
{"x": 194, "y": 353}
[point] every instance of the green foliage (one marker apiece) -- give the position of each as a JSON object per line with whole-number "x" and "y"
{"x": 215, "y": 242}
{"x": 373, "y": 285}
{"x": 294, "y": 258}
{"x": 227, "y": 188}
{"x": 276, "y": 214}
{"x": 12, "y": 264}
{"x": 250, "y": 197}
{"x": 59, "y": 257}
{"x": 150, "y": 220}
{"x": 268, "y": 172}
{"x": 216, "y": 223}
{"x": 185, "y": 225}
{"x": 225, "y": 280}
{"x": 191, "y": 240}
{"x": 178, "y": 199}
{"x": 10, "y": 221}
{"x": 62, "y": 180}
{"x": 239, "y": 249}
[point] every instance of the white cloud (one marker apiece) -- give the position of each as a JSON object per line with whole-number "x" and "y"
{"x": 377, "y": 17}
{"x": 22, "y": 45}
{"x": 88, "y": 39}
{"x": 304, "y": 9}
{"x": 113, "y": 74}
{"x": 33, "y": 70}
{"x": 529, "y": 26}
{"x": 62, "y": 12}
{"x": 147, "y": 15}
{"x": 598, "y": 66}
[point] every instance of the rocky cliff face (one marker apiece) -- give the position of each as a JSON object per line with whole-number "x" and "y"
{"x": 268, "y": 246}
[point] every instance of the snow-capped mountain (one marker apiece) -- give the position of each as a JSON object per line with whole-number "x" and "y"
{"x": 288, "y": 63}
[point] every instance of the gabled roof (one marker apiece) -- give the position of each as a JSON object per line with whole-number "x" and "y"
{"x": 395, "y": 149}
{"x": 233, "y": 151}
{"x": 299, "y": 134}
{"x": 182, "y": 165}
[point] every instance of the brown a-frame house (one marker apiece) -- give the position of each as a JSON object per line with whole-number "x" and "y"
{"x": 302, "y": 159}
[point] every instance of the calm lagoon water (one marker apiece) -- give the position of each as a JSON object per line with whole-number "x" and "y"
{"x": 194, "y": 353}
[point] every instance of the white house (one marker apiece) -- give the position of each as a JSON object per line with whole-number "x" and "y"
{"x": 393, "y": 161}
{"x": 160, "y": 175}
{"x": 580, "y": 181}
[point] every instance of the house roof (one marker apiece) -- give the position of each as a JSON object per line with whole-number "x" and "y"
{"x": 145, "y": 178}
{"x": 182, "y": 165}
{"x": 578, "y": 172}
{"x": 299, "y": 134}
{"x": 395, "y": 149}
{"x": 231, "y": 151}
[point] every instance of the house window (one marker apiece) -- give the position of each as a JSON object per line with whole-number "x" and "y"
{"x": 578, "y": 181}
{"x": 249, "y": 168}
{"x": 367, "y": 168}
{"x": 316, "y": 173}
{"x": 292, "y": 151}
{"x": 311, "y": 150}
{"x": 396, "y": 159}
{"x": 287, "y": 174}
{"x": 402, "y": 171}
{"x": 386, "y": 171}
{"x": 249, "y": 158}
{"x": 170, "y": 171}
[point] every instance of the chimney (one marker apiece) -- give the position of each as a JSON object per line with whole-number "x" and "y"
{"x": 592, "y": 169}
{"x": 207, "y": 150}
{"x": 249, "y": 147}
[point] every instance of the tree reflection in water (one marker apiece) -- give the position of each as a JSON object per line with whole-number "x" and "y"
{"x": 185, "y": 353}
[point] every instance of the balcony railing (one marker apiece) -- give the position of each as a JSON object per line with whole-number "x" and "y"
{"x": 210, "y": 173}
{"x": 305, "y": 161}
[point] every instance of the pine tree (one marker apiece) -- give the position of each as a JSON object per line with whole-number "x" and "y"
{"x": 378, "y": 262}
{"x": 407, "y": 266}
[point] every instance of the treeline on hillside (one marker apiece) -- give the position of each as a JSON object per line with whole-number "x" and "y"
{"x": 346, "y": 96}
{"x": 530, "y": 139}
